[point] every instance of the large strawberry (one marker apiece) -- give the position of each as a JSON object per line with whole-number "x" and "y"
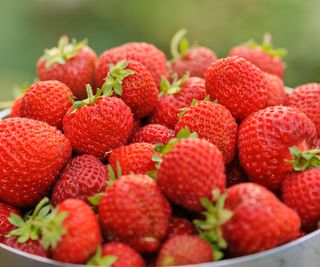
{"x": 32, "y": 153}
{"x": 276, "y": 94}
{"x": 212, "y": 122}
{"x": 47, "y": 101}
{"x": 238, "y": 85}
{"x": 98, "y": 124}
{"x": 265, "y": 138}
{"x": 70, "y": 63}
{"x": 5, "y": 225}
{"x": 153, "y": 134}
{"x": 31, "y": 246}
{"x": 134, "y": 211}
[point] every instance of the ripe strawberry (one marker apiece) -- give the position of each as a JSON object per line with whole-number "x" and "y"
{"x": 212, "y": 122}
{"x": 184, "y": 250}
{"x": 194, "y": 60}
{"x": 84, "y": 176}
{"x": 70, "y": 63}
{"x": 180, "y": 226}
{"x": 264, "y": 141}
{"x": 318, "y": 143}
{"x": 47, "y": 101}
{"x": 31, "y": 246}
{"x": 134, "y": 211}
{"x": 98, "y": 124}
{"x": 263, "y": 56}
{"x": 147, "y": 54}
{"x": 277, "y": 94}
{"x": 32, "y": 153}
{"x": 15, "y": 108}
{"x": 238, "y": 85}
{"x": 5, "y": 225}
{"x": 136, "y": 127}
{"x": 235, "y": 173}
{"x": 153, "y": 134}
{"x": 306, "y": 98}
{"x": 300, "y": 191}
{"x": 134, "y": 158}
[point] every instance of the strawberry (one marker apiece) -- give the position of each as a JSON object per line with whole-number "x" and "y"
{"x": 116, "y": 254}
{"x": 136, "y": 127}
{"x": 277, "y": 94}
{"x": 238, "y": 85}
{"x": 300, "y": 191}
{"x": 134, "y": 211}
{"x": 263, "y": 56}
{"x": 147, "y": 54}
{"x": 212, "y": 122}
{"x": 84, "y": 176}
{"x": 184, "y": 250}
{"x": 31, "y": 246}
{"x": 5, "y": 225}
{"x": 70, "y": 63}
{"x": 16, "y": 106}
{"x": 318, "y": 143}
{"x": 134, "y": 158}
{"x": 306, "y": 98}
{"x": 194, "y": 60}
{"x": 190, "y": 169}
{"x": 32, "y": 153}
{"x": 180, "y": 226}
{"x": 132, "y": 81}
{"x": 98, "y": 124}
{"x": 47, "y": 101}
{"x": 265, "y": 138}
{"x": 235, "y": 173}
{"x": 153, "y": 134}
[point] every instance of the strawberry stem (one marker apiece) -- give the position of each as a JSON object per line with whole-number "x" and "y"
{"x": 90, "y": 100}
{"x": 170, "y": 89}
{"x": 179, "y": 45}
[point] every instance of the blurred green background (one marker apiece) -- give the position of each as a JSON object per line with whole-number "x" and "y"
{"x": 29, "y": 26}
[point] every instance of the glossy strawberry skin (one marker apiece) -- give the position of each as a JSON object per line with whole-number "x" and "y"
{"x": 259, "y": 221}
{"x": 262, "y": 60}
{"x": 83, "y": 176}
{"x": 180, "y": 226}
{"x": 129, "y": 210}
{"x": 184, "y": 250}
{"x": 31, "y": 246}
{"x": 5, "y": 226}
{"x": 153, "y": 134}
{"x": 32, "y": 153}
{"x": 190, "y": 171}
{"x": 75, "y": 73}
{"x": 82, "y": 236}
{"x": 300, "y": 191}
{"x": 306, "y": 98}
{"x": 214, "y": 123}
{"x": 238, "y": 85}
{"x": 15, "y": 108}
{"x": 47, "y": 101}
{"x": 264, "y": 141}
{"x": 99, "y": 127}
{"x": 277, "y": 94}
{"x": 126, "y": 256}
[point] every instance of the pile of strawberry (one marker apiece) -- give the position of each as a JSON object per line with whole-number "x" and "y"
{"x": 130, "y": 160}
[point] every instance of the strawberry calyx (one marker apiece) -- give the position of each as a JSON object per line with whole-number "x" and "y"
{"x": 179, "y": 45}
{"x": 101, "y": 260}
{"x": 215, "y": 216}
{"x": 115, "y": 77}
{"x": 193, "y": 103}
{"x": 304, "y": 159}
{"x": 167, "y": 88}
{"x": 63, "y": 52}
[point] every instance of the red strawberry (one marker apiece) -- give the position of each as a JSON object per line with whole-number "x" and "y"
{"x": 47, "y": 101}
{"x": 84, "y": 176}
{"x": 15, "y": 108}
{"x": 277, "y": 94}
{"x": 116, "y": 254}
{"x": 238, "y": 85}
{"x": 98, "y": 124}
{"x": 32, "y": 153}
{"x": 263, "y": 56}
{"x": 235, "y": 173}
{"x": 135, "y": 158}
{"x": 136, "y": 128}
{"x": 180, "y": 226}
{"x": 5, "y": 225}
{"x": 212, "y": 122}
{"x": 318, "y": 143}
{"x": 264, "y": 141}
{"x": 300, "y": 191}
{"x": 70, "y": 63}
{"x": 194, "y": 60}
{"x": 147, "y": 54}
{"x": 306, "y": 98}
{"x": 134, "y": 211}
{"x": 184, "y": 250}
{"x": 31, "y": 246}
{"x": 153, "y": 134}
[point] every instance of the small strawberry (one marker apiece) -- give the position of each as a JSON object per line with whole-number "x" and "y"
{"x": 134, "y": 211}
{"x": 263, "y": 56}
{"x": 195, "y": 60}
{"x": 153, "y": 134}
{"x": 235, "y": 173}
{"x": 184, "y": 250}
{"x": 238, "y": 85}
{"x": 5, "y": 225}
{"x": 31, "y": 246}
{"x": 32, "y": 153}
{"x": 98, "y": 124}
{"x": 47, "y": 101}
{"x": 70, "y": 63}
{"x": 276, "y": 94}
{"x": 16, "y": 106}
{"x": 180, "y": 226}
{"x": 212, "y": 122}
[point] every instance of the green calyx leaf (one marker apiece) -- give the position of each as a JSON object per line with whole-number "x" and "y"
{"x": 90, "y": 100}
{"x": 63, "y": 52}
{"x": 170, "y": 89}
{"x": 179, "y": 45}
{"x": 303, "y": 160}
{"x": 215, "y": 216}
{"x": 115, "y": 77}
{"x": 99, "y": 260}
{"x": 95, "y": 199}
{"x": 112, "y": 175}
